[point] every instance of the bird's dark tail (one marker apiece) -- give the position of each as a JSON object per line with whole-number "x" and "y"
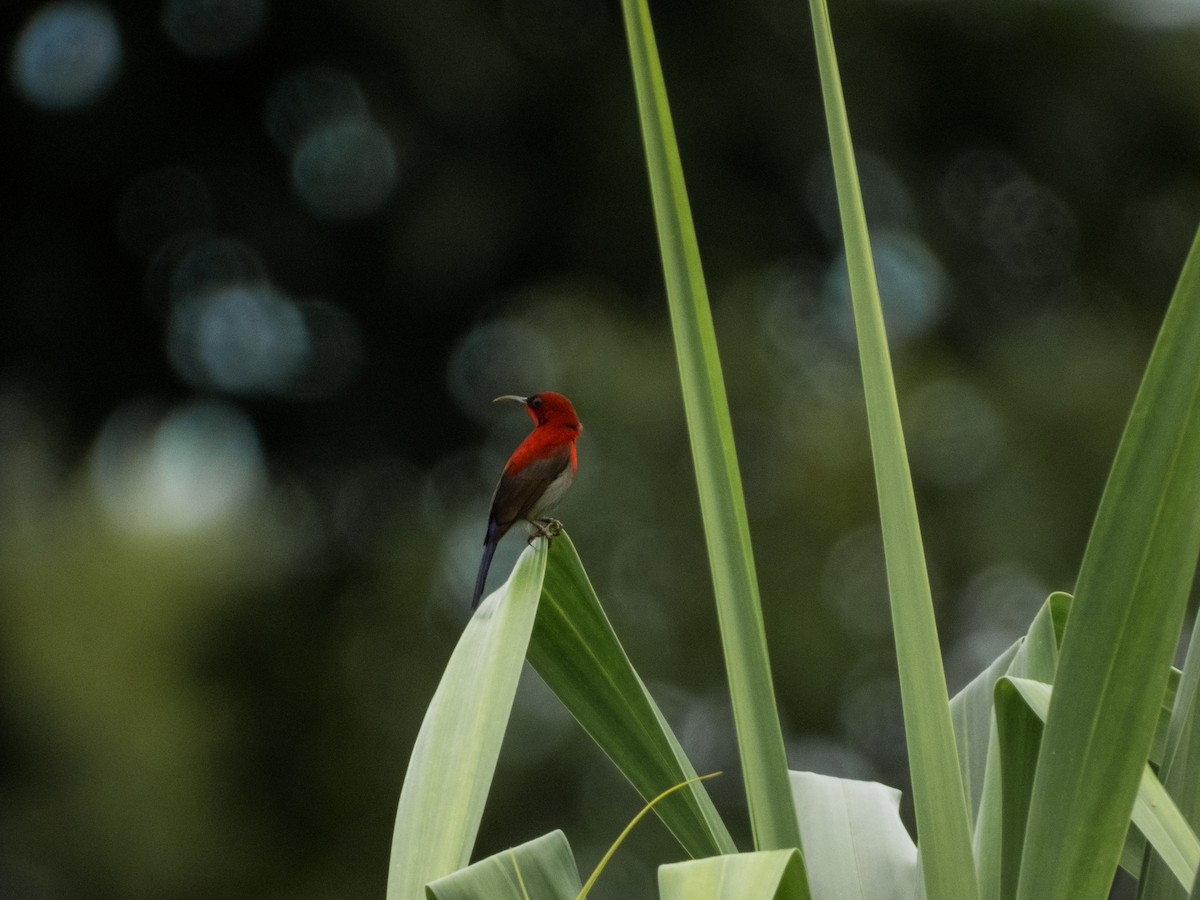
{"x": 489, "y": 550}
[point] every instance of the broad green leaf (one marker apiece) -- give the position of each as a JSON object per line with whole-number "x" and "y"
{"x": 1037, "y": 660}
{"x": 722, "y": 505}
{"x": 766, "y": 875}
{"x": 1035, "y": 655}
{"x": 1154, "y": 813}
{"x": 454, "y": 758}
{"x": 1130, "y": 599}
{"x": 1180, "y": 770}
{"x": 576, "y": 651}
{"x": 943, "y": 822}
{"x": 542, "y": 869}
{"x": 971, "y": 713}
{"x": 1019, "y": 732}
{"x": 858, "y": 849}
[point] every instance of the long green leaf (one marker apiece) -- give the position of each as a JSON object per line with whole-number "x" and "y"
{"x": 943, "y": 826}
{"x": 1130, "y": 599}
{"x": 858, "y": 849}
{"x": 576, "y": 651}
{"x": 542, "y": 869}
{"x": 766, "y": 875}
{"x": 1180, "y": 770}
{"x": 454, "y": 758}
{"x": 764, "y": 762}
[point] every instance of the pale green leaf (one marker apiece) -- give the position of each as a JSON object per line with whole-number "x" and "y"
{"x": 454, "y": 758}
{"x": 766, "y": 875}
{"x": 542, "y": 869}
{"x": 722, "y": 505}
{"x": 858, "y": 849}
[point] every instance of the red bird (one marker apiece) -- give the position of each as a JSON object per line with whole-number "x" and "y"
{"x": 535, "y": 477}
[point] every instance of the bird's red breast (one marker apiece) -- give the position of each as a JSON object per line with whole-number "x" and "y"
{"x": 545, "y": 442}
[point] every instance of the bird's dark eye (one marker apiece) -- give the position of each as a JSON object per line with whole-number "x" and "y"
{"x": 534, "y": 401}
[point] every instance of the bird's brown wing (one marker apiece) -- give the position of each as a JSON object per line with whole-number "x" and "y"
{"x": 519, "y": 491}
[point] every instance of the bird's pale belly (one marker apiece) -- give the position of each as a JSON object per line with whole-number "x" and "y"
{"x": 553, "y": 493}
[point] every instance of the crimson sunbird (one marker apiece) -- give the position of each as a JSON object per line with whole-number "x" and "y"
{"x": 535, "y": 477}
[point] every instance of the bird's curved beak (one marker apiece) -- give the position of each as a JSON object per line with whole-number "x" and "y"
{"x": 512, "y": 398}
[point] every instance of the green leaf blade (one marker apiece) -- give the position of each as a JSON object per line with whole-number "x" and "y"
{"x": 943, "y": 821}
{"x": 576, "y": 652}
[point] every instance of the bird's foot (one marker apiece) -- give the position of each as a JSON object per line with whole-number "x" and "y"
{"x": 547, "y": 528}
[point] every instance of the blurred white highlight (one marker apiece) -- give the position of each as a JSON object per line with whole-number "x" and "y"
{"x": 197, "y": 467}
{"x": 67, "y": 55}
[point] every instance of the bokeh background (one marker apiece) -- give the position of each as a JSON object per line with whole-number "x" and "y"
{"x": 264, "y": 266}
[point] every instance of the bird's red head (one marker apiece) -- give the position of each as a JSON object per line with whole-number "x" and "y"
{"x": 549, "y": 408}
